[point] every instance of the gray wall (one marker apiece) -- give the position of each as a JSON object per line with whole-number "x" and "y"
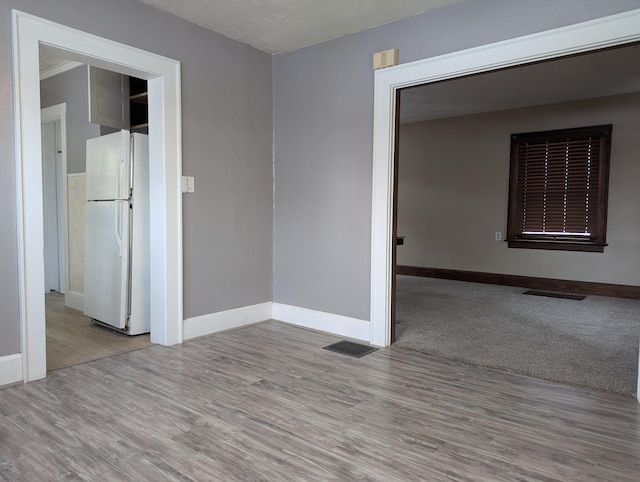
{"x": 71, "y": 87}
{"x": 453, "y": 196}
{"x": 227, "y": 146}
{"x": 323, "y": 117}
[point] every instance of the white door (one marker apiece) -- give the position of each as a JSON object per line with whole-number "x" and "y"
{"x": 107, "y": 261}
{"x": 52, "y": 199}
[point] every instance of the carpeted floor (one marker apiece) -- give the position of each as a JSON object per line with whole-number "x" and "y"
{"x": 592, "y": 343}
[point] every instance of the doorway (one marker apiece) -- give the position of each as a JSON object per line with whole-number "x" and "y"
{"x": 603, "y": 33}
{"x": 54, "y": 199}
{"x": 71, "y": 336}
{"x": 598, "y": 34}
{"x": 163, "y": 76}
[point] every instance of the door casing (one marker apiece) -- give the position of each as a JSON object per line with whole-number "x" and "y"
{"x": 165, "y": 136}
{"x": 605, "y": 32}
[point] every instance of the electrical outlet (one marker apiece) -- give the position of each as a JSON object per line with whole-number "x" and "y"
{"x": 498, "y": 236}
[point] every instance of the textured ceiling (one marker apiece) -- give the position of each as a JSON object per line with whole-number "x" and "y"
{"x": 597, "y": 74}
{"x": 276, "y": 26}
{"x": 283, "y": 25}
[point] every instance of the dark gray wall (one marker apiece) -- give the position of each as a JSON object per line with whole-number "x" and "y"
{"x": 71, "y": 87}
{"x": 323, "y": 144}
{"x": 227, "y": 146}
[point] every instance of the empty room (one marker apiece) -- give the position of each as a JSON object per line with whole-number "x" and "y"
{"x": 271, "y": 224}
{"x": 456, "y": 204}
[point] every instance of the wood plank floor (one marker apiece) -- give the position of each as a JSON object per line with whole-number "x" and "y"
{"x": 72, "y": 338}
{"x": 266, "y": 402}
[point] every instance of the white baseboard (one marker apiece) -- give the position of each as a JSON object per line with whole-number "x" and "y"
{"x": 321, "y": 321}
{"x": 10, "y": 369}
{"x": 74, "y": 300}
{"x": 225, "y": 320}
{"x": 247, "y": 315}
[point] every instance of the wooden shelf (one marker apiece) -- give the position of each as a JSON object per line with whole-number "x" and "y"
{"x": 141, "y": 98}
{"x": 138, "y": 105}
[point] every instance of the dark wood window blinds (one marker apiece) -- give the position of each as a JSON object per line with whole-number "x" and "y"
{"x": 558, "y": 189}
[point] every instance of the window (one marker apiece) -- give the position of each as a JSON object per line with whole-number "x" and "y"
{"x": 558, "y": 189}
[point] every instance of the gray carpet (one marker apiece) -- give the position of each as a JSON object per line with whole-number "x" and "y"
{"x": 591, "y": 343}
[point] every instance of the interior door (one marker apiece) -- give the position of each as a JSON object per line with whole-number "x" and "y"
{"x": 107, "y": 261}
{"x": 52, "y": 241}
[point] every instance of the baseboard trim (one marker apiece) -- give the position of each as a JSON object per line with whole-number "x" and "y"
{"x": 226, "y": 320}
{"x": 74, "y": 300}
{"x": 317, "y": 320}
{"x": 10, "y": 369}
{"x": 548, "y": 284}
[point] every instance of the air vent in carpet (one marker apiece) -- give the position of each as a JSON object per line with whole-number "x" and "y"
{"x": 554, "y": 294}
{"x": 350, "y": 348}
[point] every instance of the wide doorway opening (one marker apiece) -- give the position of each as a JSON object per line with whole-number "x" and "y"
{"x": 591, "y": 36}
{"x": 453, "y": 169}
{"x": 68, "y": 92}
{"x": 163, "y": 77}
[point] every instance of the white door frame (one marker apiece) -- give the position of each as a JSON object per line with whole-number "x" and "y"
{"x": 165, "y": 136}
{"x": 55, "y": 113}
{"x": 579, "y": 38}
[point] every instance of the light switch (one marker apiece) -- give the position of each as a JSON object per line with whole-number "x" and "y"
{"x": 188, "y": 184}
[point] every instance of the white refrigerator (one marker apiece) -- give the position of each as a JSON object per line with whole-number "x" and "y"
{"x": 116, "y": 266}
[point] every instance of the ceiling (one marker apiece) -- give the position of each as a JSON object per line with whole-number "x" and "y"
{"x": 51, "y": 64}
{"x": 277, "y": 26}
{"x": 284, "y": 25}
{"x": 598, "y": 74}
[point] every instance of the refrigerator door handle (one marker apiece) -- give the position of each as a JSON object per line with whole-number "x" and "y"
{"x": 132, "y": 158}
{"x": 120, "y": 175}
{"x": 118, "y": 227}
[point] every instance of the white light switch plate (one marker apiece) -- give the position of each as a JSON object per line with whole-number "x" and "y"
{"x": 188, "y": 184}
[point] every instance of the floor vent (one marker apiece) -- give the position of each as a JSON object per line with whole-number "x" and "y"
{"x": 554, "y": 294}
{"x": 350, "y": 348}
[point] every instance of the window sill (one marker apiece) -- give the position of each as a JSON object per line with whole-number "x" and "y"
{"x": 556, "y": 245}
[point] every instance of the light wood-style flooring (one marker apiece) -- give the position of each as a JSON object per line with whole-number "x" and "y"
{"x": 72, "y": 338}
{"x": 266, "y": 402}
